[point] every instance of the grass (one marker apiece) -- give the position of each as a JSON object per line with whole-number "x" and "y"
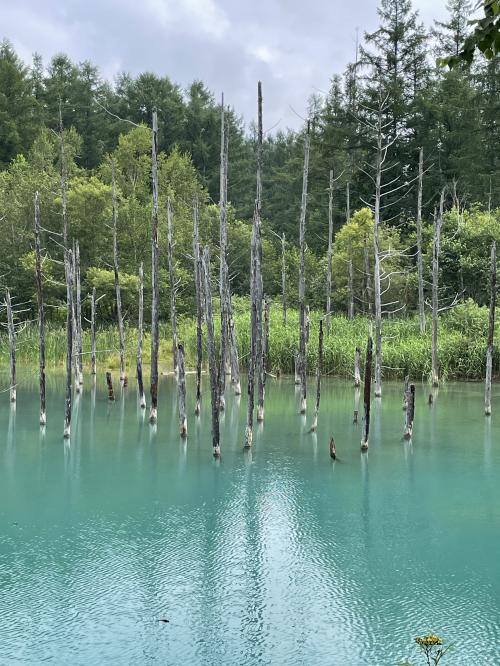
{"x": 462, "y": 343}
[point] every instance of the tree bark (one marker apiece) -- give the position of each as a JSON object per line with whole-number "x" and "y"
{"x": 405, "y": 392}
{"x": 12, "y": 347}
{"x": 212, "y": 361}
{"x": 235, "y": 363}
{"x": 420, "y": 268}
{"x": 68, "y": 262}
{"x": 41, "y": 313}
{"x": 357, "y": 366}
{"x": 436, "y": 247}
{"x": 181, "y": 384}
{"x": 121, "y": 331}
{"x": 410, "y": 412}
{"x": 367, "y": 393}
{"x": 93, "y": 363}
{"x": 347, "y": 203}
{"x": 140, "y": 334}
{"x": 199, "y": 308}
{"x": 302, "y": 275}
{"x": 319, "y": 369}
{"x": 155, "y": 265}
{"x": 173, "y": 285}
{"x": 223, "y": 277}
{"x": 491, "y": 329}
{"x": 329, "y": 255}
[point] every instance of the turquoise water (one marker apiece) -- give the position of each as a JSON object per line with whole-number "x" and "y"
{"x": 275, "y": 557}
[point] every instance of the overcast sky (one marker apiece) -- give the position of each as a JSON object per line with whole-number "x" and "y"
{"x": 293, "y": 46}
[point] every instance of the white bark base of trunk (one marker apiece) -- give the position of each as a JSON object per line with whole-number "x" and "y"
{"x": 67, "y": 431}
{"x": 216, "y": 451}
{"x": 248, "y": 438}
{"x": 43, "y": 418}
{"x": 13, "y": 395}
{"x": 260, "y": 413}
{"x": 237, "y": 388}
{"x": 183, "y": 428}
{"x": 303, "y": 406}
{"x": 153, "y": 415}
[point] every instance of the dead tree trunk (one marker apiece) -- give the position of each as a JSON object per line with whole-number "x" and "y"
{"x": 118, "y": 296}
{"x": 350, "y": 289}
{"x": 410, "y": 412}
{"x": 78, "y": 321}
{"x": 212, "y": 361}
{"x": 109, "y": 382}
{"x": 376, "y": 270}
{"x": 199, "y": 309}
{"x": 12, "y": 347}
{"x": 93, "y": 313}
{"x": 420, "y": 268}
{"x": 436, "y": 245}
{"x": 223, "y": 281}
{"x": 253, "y": 330}
{"x": 491, "y": 329}
{"x": 368, "y": 295}
{"x": 68, "y": 262}
{"x": 173, "y": 285}
{"x": 318, "y": 376}
{"x": 283, "y": 277}
{"x": 41, "y": 312}
{"x": 357, "y": 366}
{"x": 140, "y": 334}
{"x": 258, "y": 288}
{"x": 263, "y": 366}
{"x": 329, "y": 255}
{"x": 155, "y": 266}
{"x": 302, "y": 276}
{"x": 367, "y": 393}
{"x": 181, "y": 384}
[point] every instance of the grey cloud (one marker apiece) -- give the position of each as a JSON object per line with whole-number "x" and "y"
{"x": 292, "y": 46}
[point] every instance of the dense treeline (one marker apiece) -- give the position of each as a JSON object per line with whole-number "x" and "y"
{"x": 454, "y": 115}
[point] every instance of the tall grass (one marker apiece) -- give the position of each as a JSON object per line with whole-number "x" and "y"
{"x": 462, "y": 344}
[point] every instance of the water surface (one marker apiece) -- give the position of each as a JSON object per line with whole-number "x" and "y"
{"x": 274, "y": 557}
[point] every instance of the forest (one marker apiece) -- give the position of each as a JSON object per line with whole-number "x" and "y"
{"x": 448, "y": 116}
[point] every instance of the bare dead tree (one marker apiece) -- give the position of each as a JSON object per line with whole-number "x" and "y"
{"x": 368, "y": 294}
{"x": 258, "y": 286}
{"x": 302, "y": 275}
{"x": 140, "y": 336}
{"x": 199, "y": 309}
{"x": 254, "y": 323}
{"x": 283, "y": 277}
{"x": 491, "y": 329}
{"x": 78, "y": 343}
{"x": 347, "y": 202}
{"x": 41, "y": 312}
{"x": 212, "y": 360}
{"x": 436, "y": 247}
{"x": 223, "y": 270}
{"x": 155, "y": 266}
{"x": 12, "y": 347}
{"x": 68, "y": 263}
{"x": 172, "y": 283}
{"x": 118, "y": 297}
{"x": 329, "y": 255}
{"x": 420, "y": 268}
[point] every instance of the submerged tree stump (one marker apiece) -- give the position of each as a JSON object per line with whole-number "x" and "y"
{"x": 109, "y": 383}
